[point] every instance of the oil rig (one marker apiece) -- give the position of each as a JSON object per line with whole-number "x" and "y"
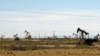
{"x": 83, "y": 40}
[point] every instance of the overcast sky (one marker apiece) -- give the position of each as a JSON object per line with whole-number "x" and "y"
{"x": 46, "y": 16}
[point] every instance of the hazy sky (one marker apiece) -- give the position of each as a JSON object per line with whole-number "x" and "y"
{"x": 46, "y": 16}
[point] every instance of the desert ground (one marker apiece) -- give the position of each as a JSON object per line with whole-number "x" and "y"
{"x": 45, "y": 47}
{"x": 52, "y": 52}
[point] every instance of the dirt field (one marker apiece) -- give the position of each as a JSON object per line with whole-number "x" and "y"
{"x": 59, "y": 47}
{"x": 52, "y": 52}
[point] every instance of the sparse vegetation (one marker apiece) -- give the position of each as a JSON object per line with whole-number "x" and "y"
{"x": 46, "y": 47}
{"x": 52, "y": 52}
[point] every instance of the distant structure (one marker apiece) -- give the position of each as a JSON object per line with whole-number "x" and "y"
{"x": 2, "y": 37}
{"x": 97, "y": 36}
{"x": 28, "y": 36}
{"x": 84, "y": 40}
{"x": 54, "y": 36}
{"x": 39, "y": 35}
{"x": 75, "y": 35}
{"x": 90, "y": 41}
{"x": 16, "y": 37}
{"x": 65, "y": 36}
{"x": 82, "y": 36}
{"x": 83, "y": 33}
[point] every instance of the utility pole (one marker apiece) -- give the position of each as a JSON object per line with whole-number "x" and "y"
{"x": 54, "y": 34}
{"x": 39, "y": 35}
{"x": 45, "y": 35}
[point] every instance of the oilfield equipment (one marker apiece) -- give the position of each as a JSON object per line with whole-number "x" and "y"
{"x": 83, "y": 39}
{"x": 28, "y": 35}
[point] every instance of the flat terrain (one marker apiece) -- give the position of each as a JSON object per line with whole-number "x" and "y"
{"x": 47, "y": 47}
{"x": 52, "y": 52}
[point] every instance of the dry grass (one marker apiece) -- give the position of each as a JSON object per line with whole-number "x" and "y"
{"x": 46, "y": 48}
{"x": 52, "y": 52}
